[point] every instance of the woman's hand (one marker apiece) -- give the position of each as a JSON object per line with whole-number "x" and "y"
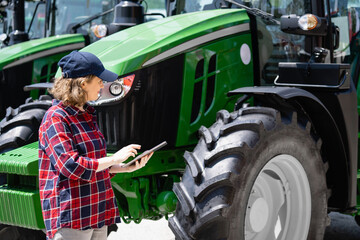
{"x": 124, "y": 153}
{"x": 133, "y": 167}
{"x": 118, "y": 157}
{"x": 139, "y": 164}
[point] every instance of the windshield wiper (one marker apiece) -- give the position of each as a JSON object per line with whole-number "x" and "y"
{"x": 256, "y": 12}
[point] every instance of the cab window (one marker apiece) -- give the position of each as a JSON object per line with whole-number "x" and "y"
{"x": 274, "y": 45}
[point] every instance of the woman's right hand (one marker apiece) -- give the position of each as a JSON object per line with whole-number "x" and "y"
{"x": 126, "y": 152}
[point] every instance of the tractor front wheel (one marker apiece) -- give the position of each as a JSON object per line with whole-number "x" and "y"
{"x": 255, "y": 174}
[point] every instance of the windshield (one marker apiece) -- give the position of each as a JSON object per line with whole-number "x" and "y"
{"x": 35, "y": 12}
{"x": 193, "y": 6}
{"x": 188, "y": 6}
{"x": 71, "y": 12}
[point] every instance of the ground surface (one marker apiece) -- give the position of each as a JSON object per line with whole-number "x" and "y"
{"x": 343, "y": 227}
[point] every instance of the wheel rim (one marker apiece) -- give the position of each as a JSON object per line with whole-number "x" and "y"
{"x": 279, "y": 205}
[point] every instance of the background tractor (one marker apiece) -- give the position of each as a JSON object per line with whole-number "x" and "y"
{"x": 279, "y": 78}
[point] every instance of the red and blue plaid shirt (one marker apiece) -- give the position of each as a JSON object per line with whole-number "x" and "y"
{"x": 72, "y": 194}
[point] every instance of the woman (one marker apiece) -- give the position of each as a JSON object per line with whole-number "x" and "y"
{"x": 74, "y": 172}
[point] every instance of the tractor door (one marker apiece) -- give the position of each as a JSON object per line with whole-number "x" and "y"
{"x": 275, "y": 46}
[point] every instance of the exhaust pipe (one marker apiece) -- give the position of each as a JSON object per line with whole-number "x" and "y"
{"x": 18, "y": 34}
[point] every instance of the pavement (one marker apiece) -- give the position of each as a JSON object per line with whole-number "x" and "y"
{"x": 146, "y": 230}
{"x": 342, "y": 227}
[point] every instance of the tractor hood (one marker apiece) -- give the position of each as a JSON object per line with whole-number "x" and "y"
{"x": 152, "y": 42}
{"x": 27, "y": 51}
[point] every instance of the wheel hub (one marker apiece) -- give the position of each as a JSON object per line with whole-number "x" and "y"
{"x": 259, "y": 214}
{"x": 273, "y": 210}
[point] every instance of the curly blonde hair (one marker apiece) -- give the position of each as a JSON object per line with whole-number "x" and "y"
{"x": 69, "y": 91}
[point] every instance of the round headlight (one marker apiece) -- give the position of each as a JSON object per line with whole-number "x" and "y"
{"x": 116, "y": 89}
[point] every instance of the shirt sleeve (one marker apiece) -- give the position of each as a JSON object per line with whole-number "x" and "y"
{"x": 63, "y": 153}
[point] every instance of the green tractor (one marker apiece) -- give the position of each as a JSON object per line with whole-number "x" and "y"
{"x": 258, "y": 103}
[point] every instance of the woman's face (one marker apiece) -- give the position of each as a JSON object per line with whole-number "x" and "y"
{"x": 92, "y": 88}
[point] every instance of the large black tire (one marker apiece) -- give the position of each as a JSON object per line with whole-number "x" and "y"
{"x": 255, "y": 174}
{"x": 21, "y": 125}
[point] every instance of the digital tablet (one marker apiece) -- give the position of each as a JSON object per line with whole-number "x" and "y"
{"x": 157, "y": 147}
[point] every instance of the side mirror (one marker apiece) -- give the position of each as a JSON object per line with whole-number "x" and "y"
{"x": 308, "y": 24}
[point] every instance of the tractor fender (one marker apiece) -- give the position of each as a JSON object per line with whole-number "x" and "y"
{"x": 332, "y": 122}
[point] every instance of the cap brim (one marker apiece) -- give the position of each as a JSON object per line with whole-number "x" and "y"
{"x": 108, "y": 76}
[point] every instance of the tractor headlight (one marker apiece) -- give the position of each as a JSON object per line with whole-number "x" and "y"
{"x": 114, "y": 91}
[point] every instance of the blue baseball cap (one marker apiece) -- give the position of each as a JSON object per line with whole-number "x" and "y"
{"x": 80, "y": 64}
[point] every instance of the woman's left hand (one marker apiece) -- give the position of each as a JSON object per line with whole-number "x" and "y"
{"x": 133, "y": 167}
{"x": 139, "y": 164}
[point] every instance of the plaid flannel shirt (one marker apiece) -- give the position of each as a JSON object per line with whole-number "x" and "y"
{"x": 73, "y": 195}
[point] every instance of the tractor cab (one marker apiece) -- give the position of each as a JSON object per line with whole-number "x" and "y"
{"x": 40, "y": 19}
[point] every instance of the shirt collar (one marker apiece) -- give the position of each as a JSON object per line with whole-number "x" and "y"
{"x": 72, "y": 109}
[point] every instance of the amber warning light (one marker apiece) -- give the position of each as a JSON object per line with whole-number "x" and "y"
{"x": 308, "y": 22}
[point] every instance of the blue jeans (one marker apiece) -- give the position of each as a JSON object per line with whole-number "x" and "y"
{"x": 89, "y": 234}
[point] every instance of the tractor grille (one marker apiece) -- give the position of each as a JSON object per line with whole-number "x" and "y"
{"x": 149, "y": 114}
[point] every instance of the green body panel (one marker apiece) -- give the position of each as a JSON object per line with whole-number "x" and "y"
{"x": 128, "y": 50}
{"x": 19, "y": 51}
{"x": 226, "y": 73}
